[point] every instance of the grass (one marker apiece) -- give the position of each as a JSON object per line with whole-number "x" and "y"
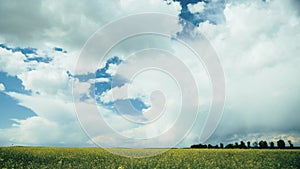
{"x": 48, "y": 157}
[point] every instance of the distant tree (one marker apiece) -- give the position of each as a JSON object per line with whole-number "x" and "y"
{"x": 255, "y": 144}
{"x": 236, "y": 145}
{"x": 242, "y": 145}
{"x": 291, "y": 145}
{"x": 248, "y": 144}
{"x": 261, "y": 144}
{"x": 271, "y": 144}
{"x": 199, "y": 146}
{"x": 221, "y": 145}
{"x": 193, "y": 146}
{"x": 280, "y": 144}
{"x": 265, "y": 144}
{"x": 229, "y": 146}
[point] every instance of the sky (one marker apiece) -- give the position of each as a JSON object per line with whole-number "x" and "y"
{"x": 49, "y": 95}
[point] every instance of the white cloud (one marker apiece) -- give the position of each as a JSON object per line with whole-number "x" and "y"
{"x": 67, "y": 24}
{"x": 50, "y": 80}
{"x": 116, "y": 93}
{"x": 41, "y": 131}
{"x": 258, "y": 47}
{"x": 68, "y": 27}
{"x": 98, "y": 80}
{"x": 146, "y": 81}
{"x": 12, "y": 62}
{"x": 149, "y": 6}
{"x": 51, "y": 99}
{"x": 112, "y": 69}
{"x": 2, "y": 87}
{"x": 43, "y": 106}
{"x": 55, "y": 122}
{"x": 198, "y": 7}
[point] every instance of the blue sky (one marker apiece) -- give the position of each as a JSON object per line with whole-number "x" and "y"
{"x": 257, "y": 43}
{"x": 98, "y": 88}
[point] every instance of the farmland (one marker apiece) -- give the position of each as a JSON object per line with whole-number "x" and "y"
{"x": 46, "y": 157}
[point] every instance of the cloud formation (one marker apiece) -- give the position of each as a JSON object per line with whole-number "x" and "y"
{"x": 47, "y": 92}
{"x": 2, "y": 87}
{"x": 257, "y": 43}
{"x": 258, "y": 47}
{"x": 65, "y": 23}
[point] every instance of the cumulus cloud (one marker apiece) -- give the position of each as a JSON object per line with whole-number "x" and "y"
{"x": 65, "y": 23}
{"x": 198, "y": 7}
{"x": 46, "y": 25}
{"x": 12, "y": 62}
{"x": 199, "y": 11}
{"x": 144, "y": 82}
{"x": 41, "y": 131}
{"x": 49, "y": 96}
{"x": 2, "y": 87}
{"x": 258, "y": 46}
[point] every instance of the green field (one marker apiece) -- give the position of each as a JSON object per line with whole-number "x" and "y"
{"x": 43, "y": 157}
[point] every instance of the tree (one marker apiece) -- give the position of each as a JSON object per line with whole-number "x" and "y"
{"x": 221, "y": 145}
{"x": 280, "y": 144}
{"x": 265, "y": 144}
{"x": 261, "y": 144}
{"x": 236, "y": 145}
{"x": 248, "y": 144}
{"x": 272, "y": 144}
{"x": 229, "y": 146}
{"x": 242, "y": 145}
{"x": 291, "y": 145}
{"x": 255, "y": 144}
{"x": 199, "y": 146}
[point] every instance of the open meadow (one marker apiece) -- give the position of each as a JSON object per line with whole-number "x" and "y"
{"x": 48, "y": 157}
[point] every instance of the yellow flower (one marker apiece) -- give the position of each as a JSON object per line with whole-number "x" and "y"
{"x": 120, "y": 167}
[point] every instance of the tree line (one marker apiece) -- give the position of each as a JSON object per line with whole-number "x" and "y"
{"x": 280, "y": 144}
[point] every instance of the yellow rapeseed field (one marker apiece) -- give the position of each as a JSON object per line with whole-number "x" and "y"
{"x": 48, "y": 157}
